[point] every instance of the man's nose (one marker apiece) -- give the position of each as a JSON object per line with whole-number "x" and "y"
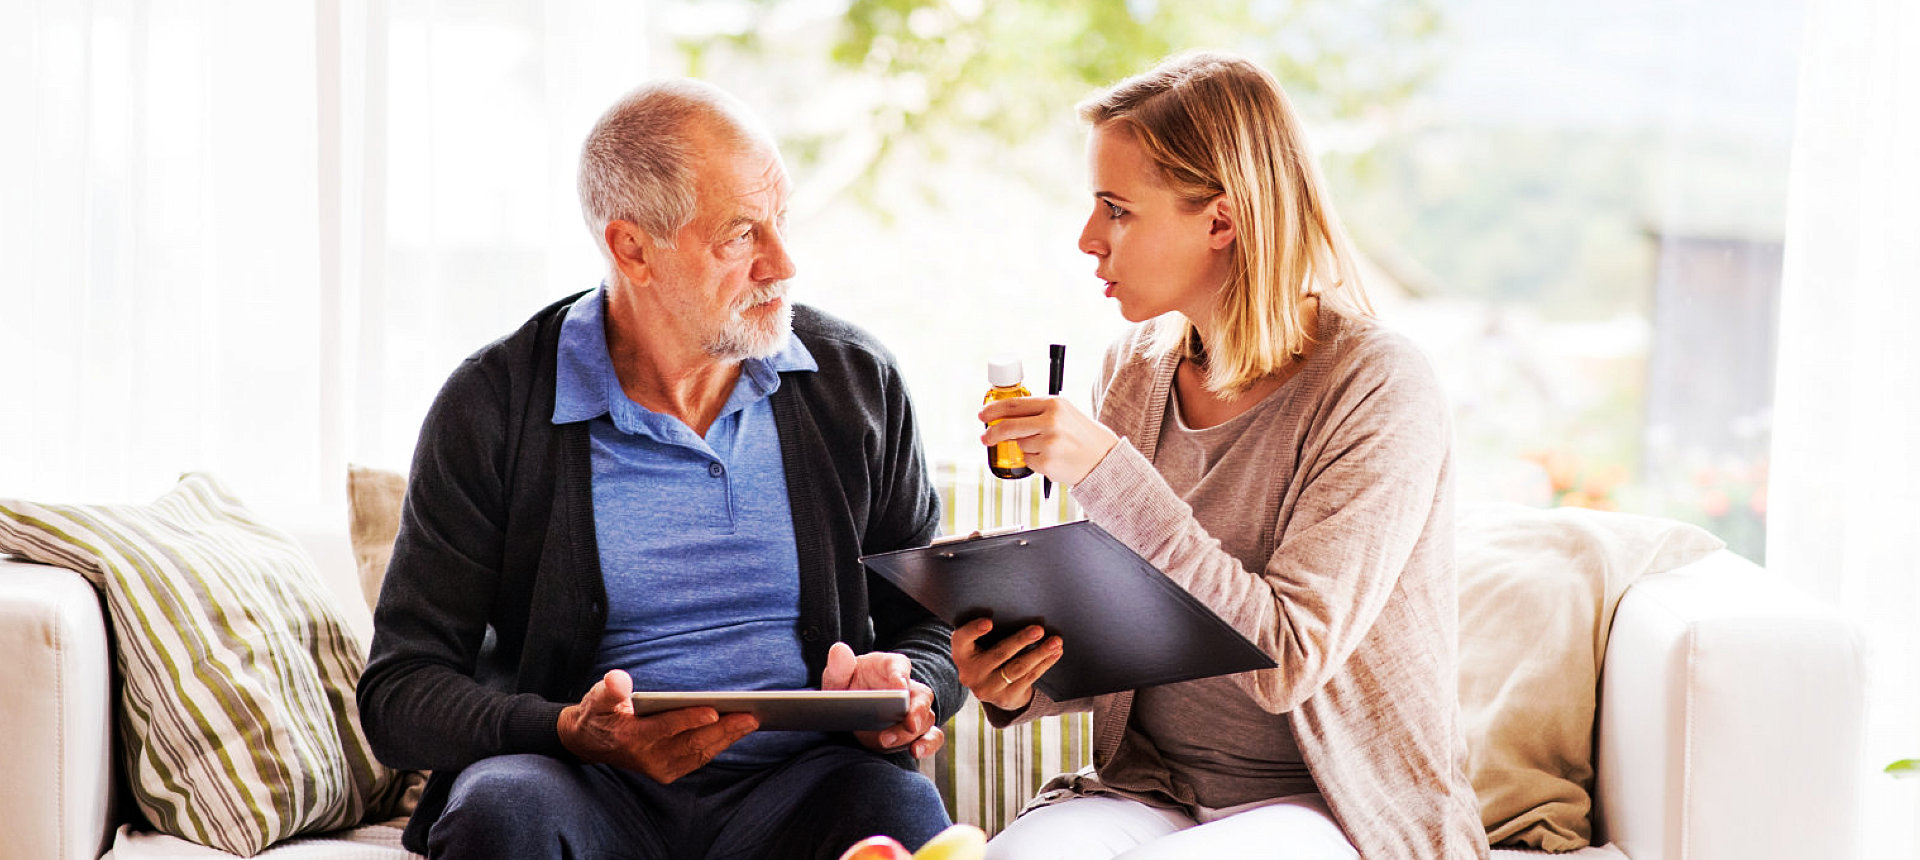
{"x": 775, "y": 263}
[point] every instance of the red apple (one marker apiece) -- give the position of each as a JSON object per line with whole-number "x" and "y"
{"x": 877, "y": 848}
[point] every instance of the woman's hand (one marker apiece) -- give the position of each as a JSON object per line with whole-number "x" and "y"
{"x": 1000, "y": 675}
{"x": 1059, "y": 440}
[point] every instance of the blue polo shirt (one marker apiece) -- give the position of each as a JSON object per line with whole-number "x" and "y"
{"x": 695, "y": 533}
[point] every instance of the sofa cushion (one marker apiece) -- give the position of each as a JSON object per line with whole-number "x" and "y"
{"x": 373, "y": 521}
{"x": 237, "y": 703}
{"x": 1537, "y": 593}
{"x": 367, "y": 842}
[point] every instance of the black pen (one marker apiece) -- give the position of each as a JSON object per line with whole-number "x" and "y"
{"x": 1056, "y": 374}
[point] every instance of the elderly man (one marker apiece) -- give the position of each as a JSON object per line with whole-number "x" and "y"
{"x": 663, "y": 483}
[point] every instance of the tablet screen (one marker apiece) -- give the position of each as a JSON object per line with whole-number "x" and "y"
{"x": 790, "y": 710}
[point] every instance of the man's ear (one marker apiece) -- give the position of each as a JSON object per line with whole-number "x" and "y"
{"x": 1221, "y": 230}
{"x": 631, "y": 250}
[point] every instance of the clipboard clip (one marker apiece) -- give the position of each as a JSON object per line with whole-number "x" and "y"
{"x": 976, "y": 534}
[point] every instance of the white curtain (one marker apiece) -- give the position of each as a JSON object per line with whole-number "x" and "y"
{"x": 254, "y": 238}
{"x": 1845, "y": 488}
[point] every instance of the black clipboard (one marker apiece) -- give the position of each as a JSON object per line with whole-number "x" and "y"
{"x": 1124, "y": 623}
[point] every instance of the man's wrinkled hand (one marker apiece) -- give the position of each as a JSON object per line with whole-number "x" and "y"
{"x": 886, "y": 670}
{"x": 603, "y": 729}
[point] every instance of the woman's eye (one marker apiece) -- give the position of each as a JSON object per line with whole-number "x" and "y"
{"x": 1113, "y": 211}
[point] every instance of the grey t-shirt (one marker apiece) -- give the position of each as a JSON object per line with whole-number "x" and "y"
{"x": 1219, "y": 747}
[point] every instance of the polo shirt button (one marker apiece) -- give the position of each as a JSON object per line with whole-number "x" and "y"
{"x": 715, "y": 469}
{"x": 809, "y": 634}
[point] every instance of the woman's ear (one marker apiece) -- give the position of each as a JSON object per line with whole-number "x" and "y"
{"x": 1221, "y": 230}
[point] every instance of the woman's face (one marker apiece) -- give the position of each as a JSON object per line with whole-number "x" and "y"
{"x": 1155, "y": 253}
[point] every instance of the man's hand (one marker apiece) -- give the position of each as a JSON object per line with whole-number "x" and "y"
{"x": 885, "y": 670}
{"x": 602, "y": 729}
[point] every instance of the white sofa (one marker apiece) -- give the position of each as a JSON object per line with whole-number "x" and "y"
{"x": 1729, "y": 724}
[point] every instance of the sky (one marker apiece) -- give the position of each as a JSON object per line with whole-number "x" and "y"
{"x": 1718, "y": 63}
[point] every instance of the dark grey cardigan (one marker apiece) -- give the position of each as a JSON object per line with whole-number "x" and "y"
{"x": 492, "y": 609}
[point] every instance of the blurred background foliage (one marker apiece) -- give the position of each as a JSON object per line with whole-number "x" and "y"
{"x": 1575, "y": 210}
{"x": 1005, "y": 71}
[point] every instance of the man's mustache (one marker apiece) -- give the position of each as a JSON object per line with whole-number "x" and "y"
{"x": 775, "y": 290}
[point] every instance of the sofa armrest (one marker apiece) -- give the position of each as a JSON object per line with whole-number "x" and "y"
{"x": 56, "y": 786}
{"x": 1732, "y": 709}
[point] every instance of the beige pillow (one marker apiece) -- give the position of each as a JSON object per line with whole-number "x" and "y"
{"x": 1537, "y": 593}
{"x": 236, "y": 707}
{"x": 373, "y": 521}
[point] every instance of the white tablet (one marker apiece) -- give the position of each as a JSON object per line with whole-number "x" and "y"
{"x": 791, "y": 710}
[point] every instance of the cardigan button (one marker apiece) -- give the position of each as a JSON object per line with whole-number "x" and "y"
{"x": 809, "y": 635}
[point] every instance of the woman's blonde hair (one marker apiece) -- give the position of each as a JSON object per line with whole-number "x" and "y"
{"x": 1218, "y": 124}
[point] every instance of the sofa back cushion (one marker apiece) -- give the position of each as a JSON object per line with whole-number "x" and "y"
{"x": 1537, "y": 593}
{"x": 237, "y": 705}
{"x": 373, "y": 521}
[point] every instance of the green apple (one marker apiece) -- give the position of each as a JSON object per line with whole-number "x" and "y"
{"x": 959, "y": 842}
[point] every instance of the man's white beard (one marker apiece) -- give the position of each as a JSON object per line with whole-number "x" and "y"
{"x": 741, "y": 338}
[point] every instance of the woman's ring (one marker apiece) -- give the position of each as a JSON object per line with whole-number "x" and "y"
{"x": 1003, "y": 677}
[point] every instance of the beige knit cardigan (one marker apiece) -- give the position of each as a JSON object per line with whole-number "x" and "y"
{"x": 1357, "y": 603}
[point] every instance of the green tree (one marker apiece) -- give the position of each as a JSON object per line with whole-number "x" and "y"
{"x": 1002, "y": 72}
{"x": 1550, "y": 218}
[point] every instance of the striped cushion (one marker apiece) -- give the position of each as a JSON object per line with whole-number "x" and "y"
{"x": 987, "y": 775}
{"x": 237, "y": 697}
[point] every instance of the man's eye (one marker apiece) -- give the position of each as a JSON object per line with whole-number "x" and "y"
{"x": 742, "y": 236}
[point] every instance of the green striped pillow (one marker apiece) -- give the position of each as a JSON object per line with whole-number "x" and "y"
{"x": 237, "y": 704}
{"x": 987, "y": 775}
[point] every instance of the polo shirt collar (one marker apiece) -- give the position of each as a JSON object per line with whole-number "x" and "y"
{"x": 585, "y": 386}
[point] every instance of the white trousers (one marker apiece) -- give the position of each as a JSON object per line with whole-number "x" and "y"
{"x": 1299, "y": 827}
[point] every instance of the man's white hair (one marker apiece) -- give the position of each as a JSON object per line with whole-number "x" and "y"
{"x": 636, "y": 163}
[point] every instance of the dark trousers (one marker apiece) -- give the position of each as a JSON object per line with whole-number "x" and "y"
{"x": 811, "y": 806}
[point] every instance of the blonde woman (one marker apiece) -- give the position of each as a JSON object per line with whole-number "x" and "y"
{"x": 1283, "y": 457}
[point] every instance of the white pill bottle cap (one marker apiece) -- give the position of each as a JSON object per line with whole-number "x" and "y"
{"x": 1004, "y": 371}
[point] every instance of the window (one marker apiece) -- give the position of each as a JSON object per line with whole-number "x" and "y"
{"x": 1576, "y": 210}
